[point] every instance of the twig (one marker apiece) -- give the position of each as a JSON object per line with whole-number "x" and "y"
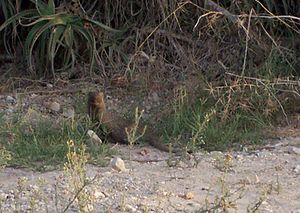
{"x": 279, "y": 81}
{"x": 262, "y": 82}
{"x": 163, "y": 21}
{"x": 149, "y": 160}
{"x": 277, "y": 17}
{"x": 58, "y": 91}
{"x": 247, "y": 40}
{"x": 233, "y": 18}
{"x": 78, "y": 192}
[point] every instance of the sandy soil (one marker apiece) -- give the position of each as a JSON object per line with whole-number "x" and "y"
{"x": 268, "y": 178}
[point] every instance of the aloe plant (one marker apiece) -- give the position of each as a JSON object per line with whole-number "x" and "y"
{"x": 54, "y": 33}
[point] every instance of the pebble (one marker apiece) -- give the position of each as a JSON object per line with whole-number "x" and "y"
{"x": 49, "y": 85}
{"x": 88, "y": 208}
{"x": 216, "y": 154}
{"x": 10, "y": 100}
{"x": 9, "y": 111}
{"x": 33, "y": 95}
{"x": 155, "y": 97}
{"x": 130, "y": 208}
{"x": 99, "y": 194}
{"x": 69, "y": 112}
{"x": 3, "y": 196}
{"x": 189, "y": 195}
{"x": 297, "y": 169}
{"x": 294, "y": 150}
{"x": 54, "y": 106}
{"x": 94, "y": 137}
{"x": 118, "y": 164}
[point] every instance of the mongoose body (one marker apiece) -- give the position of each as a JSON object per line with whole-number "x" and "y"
{"x": 115, "y": 124}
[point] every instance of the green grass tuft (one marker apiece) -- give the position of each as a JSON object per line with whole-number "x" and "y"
{"x": 200, "y": 125}
{"x": 43, "y": 145}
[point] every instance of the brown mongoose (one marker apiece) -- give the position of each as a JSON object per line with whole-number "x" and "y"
{"x": 115, "y": 124}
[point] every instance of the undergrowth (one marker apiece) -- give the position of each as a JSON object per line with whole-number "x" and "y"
{"x": 41, "y": 144}
{"x": 205, "y": 122}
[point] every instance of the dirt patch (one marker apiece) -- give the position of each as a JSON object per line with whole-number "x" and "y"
{"x": 268, "y": 178}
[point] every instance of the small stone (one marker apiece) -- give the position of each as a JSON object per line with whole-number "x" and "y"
{"x": 118, "y": 164}
{"x": 189, "y": 195}
{"x": 239, "y": 157}
{"x": 216, "y": 154}
{"x": 294, "y": 150}
{"x": 266, "y": 207}
{"x": 54, "y": 106}
{"x": 87, "y": 208}
{"x": 129, "y": 208}
{"x": 49, "y": 85}
{"x": 94, "y": 137}
{"x": 99, "y": 195}
{"x": 32, "y": 117}
{"x": 33, "y": 95}
{"x": 155, "y": 97}
{"x": 10, "y": 100}
{"x": 297, "y": 169}
{"x": 69, "y": 112}
{"x": 9, "y": 111}
{"x": 3, "y": 196}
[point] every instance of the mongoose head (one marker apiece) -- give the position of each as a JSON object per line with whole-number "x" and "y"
{"x": 96, "y": 104}
{"x": 100, "y": 101}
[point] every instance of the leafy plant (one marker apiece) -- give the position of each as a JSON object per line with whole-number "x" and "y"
{"x": 55, "y": 34}
{"x": 8, "y": 10}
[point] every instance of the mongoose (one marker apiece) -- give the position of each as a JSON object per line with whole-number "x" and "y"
{"x": 115, "y": 124}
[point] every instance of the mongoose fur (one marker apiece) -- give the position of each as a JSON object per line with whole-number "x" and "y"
{"x": 115, "y": 124}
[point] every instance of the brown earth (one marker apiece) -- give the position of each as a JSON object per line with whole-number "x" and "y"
{"x": 268, "y": 178}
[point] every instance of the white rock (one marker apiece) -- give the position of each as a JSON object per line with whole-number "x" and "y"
{"x": 294, "y": 150}
{"x": 94, "y": 137}
{"x": 87, "y": 208}
{"x": 266, "y": 207}
{"x": 216, "y": 154}
{"x": 129, "y": 208}
{"x": 69, "y": 112}
{"x": 10, "y": 100}
{"x": 9, "y": 111}
{"x": 3, "y": 196}
{"x": 155, "y": 97}
{"x": 49, "y": 85}
{"x": 99, "y": 194}
{"x": 54, "y": 106}
{"x": 297, "y": 169}
{"x": 118, "y": 164}
{"x": 33, "y": 95}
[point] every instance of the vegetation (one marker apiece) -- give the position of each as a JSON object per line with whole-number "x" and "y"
{"x": 233, "y": 66}
{"x": 42, "y": 145}
{"x": 238, "y": 61}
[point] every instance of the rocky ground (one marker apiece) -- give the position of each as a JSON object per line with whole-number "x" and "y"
{"x": 265, "y": 180}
